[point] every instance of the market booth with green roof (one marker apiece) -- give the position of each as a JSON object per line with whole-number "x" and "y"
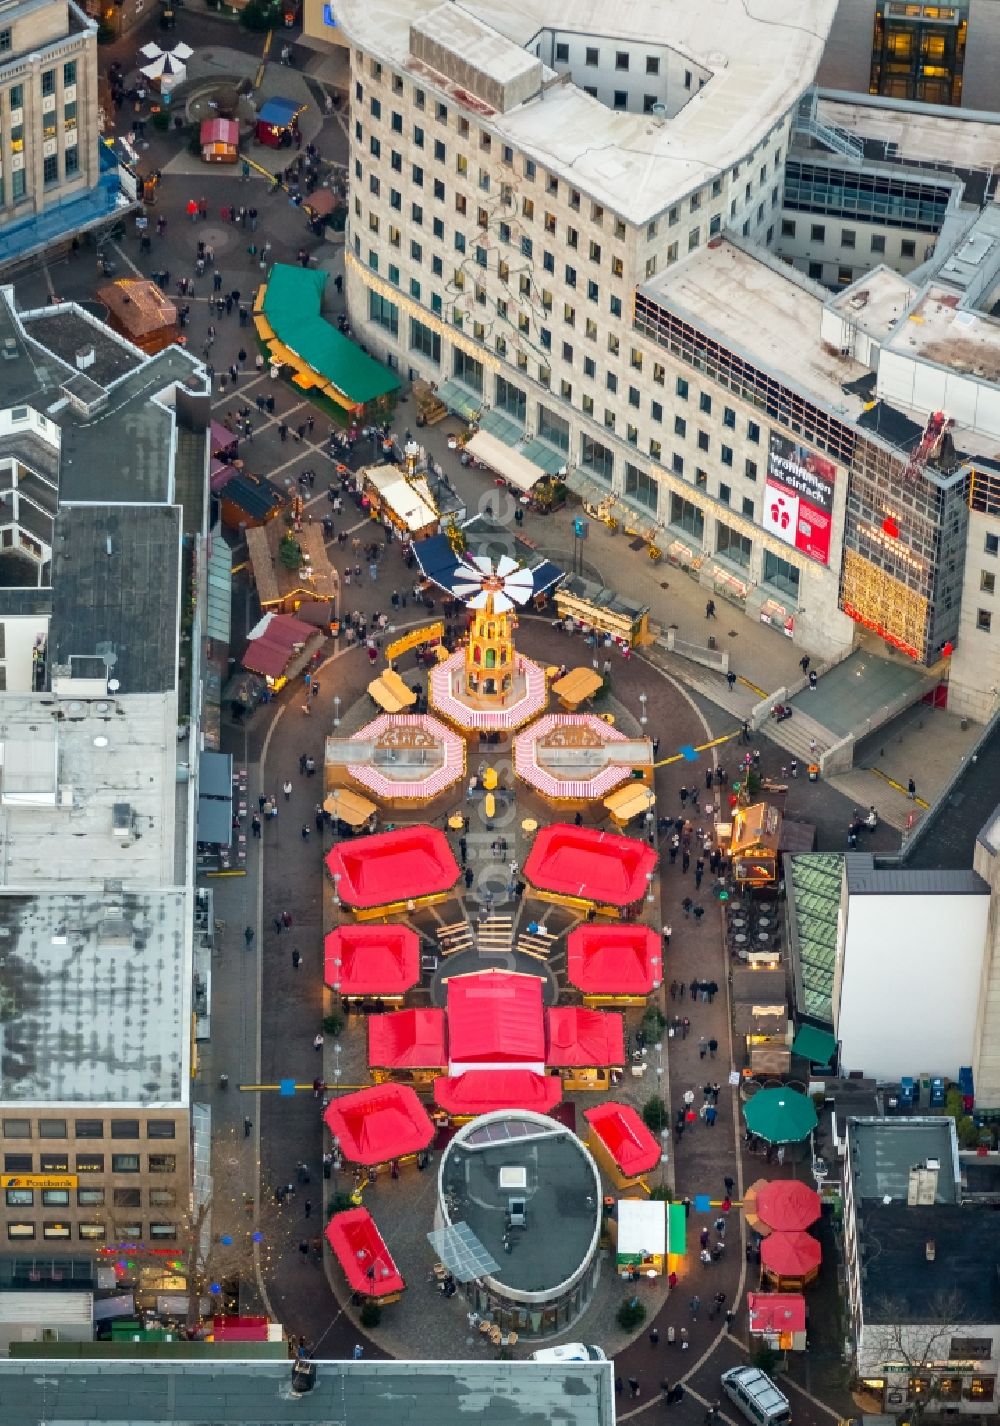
{"x": 322, "y": 358}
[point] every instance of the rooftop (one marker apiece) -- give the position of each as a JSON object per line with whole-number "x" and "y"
{"x": 96, "y": 995}
{"x": 67, "y": 769}
{"x": 960, "y": 1285}
{"x": 242, "y": 1393}
{"x": 876, "y": 302}
{"x": 68, "y": 329}
{"x": 763, "y": 309}
{"x": 759, "y": 60}
{"x": 939, "y": 331}
{"x": 927, "y": 134}
{"x": 116, "y": 572}
{"x": 864, "y": 878}
{"x": 561, "y": 1186}
{"x": 883, "y": 1151}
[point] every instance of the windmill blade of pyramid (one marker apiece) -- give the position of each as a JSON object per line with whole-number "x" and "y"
{"x": 466, "y": 591}
{"x": 506, "y": 566}
{"x": 520, "y": 579}
{"x": 482, "y": 562}
{"x": 519, "y": 596}
{"x": 502, "y": 604}
{"x": 478, "y": 601}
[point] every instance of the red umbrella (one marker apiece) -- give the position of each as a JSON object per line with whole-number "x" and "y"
{"x": 791, "y": 1255}
{"x": 788, "y": 1205}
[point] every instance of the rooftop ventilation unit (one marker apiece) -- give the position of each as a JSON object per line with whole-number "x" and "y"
{"x": 121, "y": 819}
{"x": 9, "y": 349}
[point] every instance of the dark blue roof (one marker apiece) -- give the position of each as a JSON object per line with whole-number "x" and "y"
{"x": 438, "y": 561}
{"x": 278, "y": 111}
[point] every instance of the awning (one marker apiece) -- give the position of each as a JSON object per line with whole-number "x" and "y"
{"x": 219, "y": 131}
{"x": 215, "y": 822}
{"x": 405, "y": 498}
{"x": 771, "y": 1313}
{"x": 780, "y": 1116}
{"x": 459, "y": 399}
{"x": 624, "y": 1135}
{"x": 240, "y": 1329}
{"x": 375, "y": 1125}
{"x": 614, "y": 960}
{"x": 360, "y": 1250}
{"x": 215, "y": 799}
{"x": 408, "y": 1039}
{"x": 495, "y": 1017}
{"x": 218, "y": 616}
{"x": 372, "y": 959}
{"x": 505, "y": 428}
{"x": 504, "y": 461}
{"x": 642, "y": 1228}
{"x": 584, "y": 1038}
{"x": 215, "y": 775}
{"x": 482, "y": 1091}
{"x": 551, "y": 462}
{"x": 816, "y": 1046}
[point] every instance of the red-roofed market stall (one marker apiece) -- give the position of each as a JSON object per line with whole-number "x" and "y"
{"x": 620, "y": 963}
{"x": 408, "y": 1040}
{"x": 790, "y": 1259}
{"x": 376, "y": 1125}
{"x": 583, "y": 866}
{"x": 495, "y": 1017}
{"x": 584, "y": 1039}
{"x": 621, "y": 1143}
{"x": 361, "y": 1251}
{"x": 482, "y": 1091}
{"x": 382, "y": 960}
{"x": 384, "y": 873}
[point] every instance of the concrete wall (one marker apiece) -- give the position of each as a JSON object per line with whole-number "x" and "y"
{"x": 910, "y": 983}
{"x": 911, "y": 381}
{"x": 838, "y": 265}
{"x": 677, "y": 79}
{"x": 982, "y": 57}
{"x": 974, "y": 677}
{"x": 847, "y": 58}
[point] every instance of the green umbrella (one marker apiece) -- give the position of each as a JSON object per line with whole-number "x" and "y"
{"x": 781, "y": 1116}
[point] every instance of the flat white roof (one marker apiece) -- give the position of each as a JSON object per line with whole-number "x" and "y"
{"x": 946, "y": 136}
{"x": 876, "y": 302}
{"x": 769, "y": 316}
{"x": 761, "y": 59}
{"x": 58, "y": 813}
{"x": 939, "y": 331}
{"x": 642, "y": 1226}
{"x": 96, "y": 990}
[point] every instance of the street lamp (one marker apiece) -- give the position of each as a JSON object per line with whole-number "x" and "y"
{"x": 649, "y": 880}
{"x": 336, "y": 710}
{"x": 336, "y": 888}
{"x": 642, "y": 716}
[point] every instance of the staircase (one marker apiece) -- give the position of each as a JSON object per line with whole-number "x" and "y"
{"x": 796, "y": 733}
{"x": 838, "y": 141}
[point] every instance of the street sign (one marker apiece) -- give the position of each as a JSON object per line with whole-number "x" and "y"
{"x": 580, "y": 527}
{"x": 286, "y": 1089}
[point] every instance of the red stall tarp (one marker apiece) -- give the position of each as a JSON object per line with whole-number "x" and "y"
{"x": 375, "y": 1125}
{"x": 275, "y": 647}
{"x": 495, "y": 1017}
{"x": 614, "y": 960}
{"x": 240, "y": 1329}
{"x": 770, "y": 1313}
{"x": 589, "y": 865}
{"x": 373, "y": 959}
{"x": 393, "y": 866}
{"x": 482, "y": 1091}
{"x": 408, "y": 1039}
{"x": 634, "y": 1149}
{"x": 219, "y": 131}
{"x": 791, "y": 1255}
{"x": 584, "y": 1038}
{"x": 788, "y": 1205}
{"x": 361, "y": 1251}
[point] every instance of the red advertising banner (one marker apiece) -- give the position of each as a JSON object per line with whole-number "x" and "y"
{"x": 798, "y": 497}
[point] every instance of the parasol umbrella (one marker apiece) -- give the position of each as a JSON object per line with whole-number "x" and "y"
{"x": 780, "y": 1116}
{"x": 751, "y": 1207}
{"x": 791, "y": 1256}
{"x": 788, "y": 1205}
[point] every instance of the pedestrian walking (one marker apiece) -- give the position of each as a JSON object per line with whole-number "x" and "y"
{"x": 666, "y": 933}
{"x": 248, "y": 935}
{"x": 287, "y": 790}
{"x": 729, "y": 1184}
{"x": 306, "y": 831}
{"x": 695, "y": 1307}
{"x": 633, "y": 1386}
{"x": 731, "y": 680}
{"x": 247, "y": 1126}
{"x": 358, "y": 1352}
{"x": 317, "y": 1043}
{"x": 303, "y": 1251}
{"x": 713, "y": 1046}
{"x": 702, "y": 1045}
{"x": 710, "y": 609}
{"x": 654, "y": 1336}
{"x": 307, "y": 1207}
{"x": 296, "y": 960}
{"x": 671, "y": 1335}
{"x": 685, "y": 1340}
{"x": 255, "y": 824}
{"x": 911, "y": 790}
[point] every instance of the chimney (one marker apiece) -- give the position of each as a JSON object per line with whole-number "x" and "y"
{"x": 85, "y": 356}
{"x": 930, "y": 1250}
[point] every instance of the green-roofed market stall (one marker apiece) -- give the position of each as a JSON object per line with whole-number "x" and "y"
{"x": 322, "y": 358}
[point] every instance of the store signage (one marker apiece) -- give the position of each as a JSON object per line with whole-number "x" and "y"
{"x": 428, "y": 634}
{"x": 38, "y": 1180}
{"x": 798, "y": 497}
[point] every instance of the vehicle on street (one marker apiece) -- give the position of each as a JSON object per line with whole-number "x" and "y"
{"x": 756, "y": 1395}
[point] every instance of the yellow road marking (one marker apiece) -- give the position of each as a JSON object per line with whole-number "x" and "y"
{"x": 899, "y": 787}
{"x": 759, "y": 691}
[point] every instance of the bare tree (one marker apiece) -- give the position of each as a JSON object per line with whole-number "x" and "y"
{"x": 923, "y": 1348}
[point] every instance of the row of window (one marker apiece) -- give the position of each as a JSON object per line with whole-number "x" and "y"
{"x": 848, "y": 237}
{"x": 90, "y": 1232}
{"x": 88, "y": 1129}
{"x": 89, "y": 1197}
{"x": 89, "y": 1163}
{"x": 16, "y": 91}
